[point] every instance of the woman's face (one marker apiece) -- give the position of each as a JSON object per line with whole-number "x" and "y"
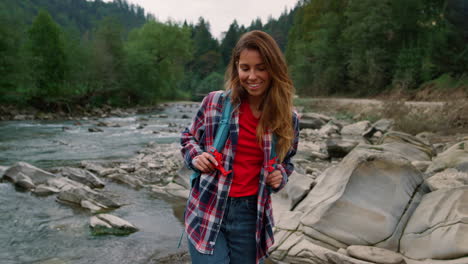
{"x": 253, "y": 74}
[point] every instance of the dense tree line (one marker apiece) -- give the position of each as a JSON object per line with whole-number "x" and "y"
{"x": 57, "y": 54}
{"x": 62, "y": 53}
{"x": 365, "y": 47}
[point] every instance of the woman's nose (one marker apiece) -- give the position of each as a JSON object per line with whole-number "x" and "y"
{"x": 252, "y": 75}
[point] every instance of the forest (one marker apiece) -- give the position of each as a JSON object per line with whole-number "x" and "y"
{"x": 59, "y": 54}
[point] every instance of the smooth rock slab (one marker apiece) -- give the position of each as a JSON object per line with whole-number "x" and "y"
{"x": 438, "y": 228}
{"x": 374, "y": 254}
{"x": 364, "y": 200}
{"x": 82, "y": 176}
{"x": 106, "y": 224}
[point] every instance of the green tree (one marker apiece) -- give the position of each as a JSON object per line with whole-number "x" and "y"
{"x": 48, "y": 60}
{"x": 156, "y": 55}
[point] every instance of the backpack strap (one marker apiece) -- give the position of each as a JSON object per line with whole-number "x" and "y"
{"x": 221, "y": 135}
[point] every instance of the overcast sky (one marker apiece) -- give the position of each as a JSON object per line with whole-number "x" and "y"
{"x": 220, "y": 13}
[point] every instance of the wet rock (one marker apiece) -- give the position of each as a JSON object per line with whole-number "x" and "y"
{"x": 83, "y": 176}
{"x": 24, "y": 181}
{"x": 106, "y": 224}
{"x": 95, "y": 129}
{"x": 421, "y": 165}
{"x": 127, "y": 179}
{"x": 36, "y": 175}
{"x": 43, "y": 189}
{"x": 79, "y": 195}
{"x": 93, "y": 167}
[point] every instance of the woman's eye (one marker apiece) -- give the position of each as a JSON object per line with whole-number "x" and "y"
{"x": 244, "y": 69}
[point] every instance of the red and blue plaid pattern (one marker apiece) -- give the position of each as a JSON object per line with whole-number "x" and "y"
{"x": 207, "y": 200}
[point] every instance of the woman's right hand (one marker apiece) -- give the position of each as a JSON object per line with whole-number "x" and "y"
{"x": 205, "y": 162}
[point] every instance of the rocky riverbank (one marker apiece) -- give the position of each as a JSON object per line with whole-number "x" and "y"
{"x": 361, "y": 193}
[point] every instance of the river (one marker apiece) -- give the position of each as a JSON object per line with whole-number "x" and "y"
{"x": 40, "y": 230}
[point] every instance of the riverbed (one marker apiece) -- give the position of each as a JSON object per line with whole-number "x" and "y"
{"x": 40, "y": 230}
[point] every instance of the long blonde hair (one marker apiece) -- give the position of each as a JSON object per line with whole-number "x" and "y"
{"x": 277, "y": 105}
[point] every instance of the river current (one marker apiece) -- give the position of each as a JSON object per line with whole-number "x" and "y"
{"x": 40, "y": 230}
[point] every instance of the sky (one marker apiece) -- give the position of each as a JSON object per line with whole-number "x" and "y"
{"x": 219, "y": 13}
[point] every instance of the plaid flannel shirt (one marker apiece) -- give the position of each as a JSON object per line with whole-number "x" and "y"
{"x": 208, "y": 196}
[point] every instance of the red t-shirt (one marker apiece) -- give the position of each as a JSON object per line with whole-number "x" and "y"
{"x": 249, "y": 155}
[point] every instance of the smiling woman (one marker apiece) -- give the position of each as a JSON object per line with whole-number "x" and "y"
{"x": 228, "y": 217}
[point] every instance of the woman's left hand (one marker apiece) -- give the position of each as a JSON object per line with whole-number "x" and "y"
{"x": 274, "y": 179}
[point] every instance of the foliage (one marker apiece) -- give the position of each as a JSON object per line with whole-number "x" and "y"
{"x": 156, "y": 54}
{"x": 364, "y": 47}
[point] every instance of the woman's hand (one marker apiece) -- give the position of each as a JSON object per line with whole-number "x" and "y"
{"x": 274, "y": 179}
{"x": 205, "y": 162}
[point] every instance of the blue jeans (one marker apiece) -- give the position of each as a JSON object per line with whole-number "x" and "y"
{"x": 235, "y": 243}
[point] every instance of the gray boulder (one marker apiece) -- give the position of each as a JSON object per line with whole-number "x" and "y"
{"x": 86, "y": 196}
{"x": 106, "y": 224}
{"x": 369, "y": 186}
{"x": 454, "y": 156}
{"x": 447, "y": 179}
{"x": 438, "y": 229}
{"x": 418, "y": 149}
{"x": 37, "y": 176}
{"x": 83, "y": 176}
{"x": 356, "y": 129}
{"x": 338, "y": 148}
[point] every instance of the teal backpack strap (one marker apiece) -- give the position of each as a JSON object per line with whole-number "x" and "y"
{"x": 221, "y": 133}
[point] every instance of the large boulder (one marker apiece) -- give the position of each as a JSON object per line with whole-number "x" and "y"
{"x": 356, "y": 129}
{"x": 365, "y": 200}
{"x": 456, "y": 155}
{"x": 19, "y": 169}
{"x": 438, "y": 229}
{"x": 447, "y": 179}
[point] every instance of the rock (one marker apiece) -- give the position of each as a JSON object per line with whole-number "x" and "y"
{"x": 3, "y": 169}
{"x": 43, "y": 189}
{"x": 400, "y": 138}
{"x": 356, "y": 129}
{"x": 384, "y": 125}
{"x": 305, "y": 251}
{"x": 64, "y": 184}
{"x": 24, "y": 181}
{"x": 298, "y": 187}
{"x": 37, "y": 176}
{"x": 289, "y": 220}
{"x": 78, "y": 195}
{"x": 128, "y": 167}
{"x": 93, "y": 167}
{"x": 311, "y": 123}
{"x": 438, "y": 229}
{"x": 447, "y": 179}
{"x": 106, "y": 224}
{"x": 368, "y": 186}
{"x": 171, "y": 189}
{"x": 421, "y": 165}
{"x": 83, "y": 176}
{"x": 450, "y": 158}
{"x": 377, "y": 255}
{"x": 338, "y": 148}
{"x": 329, "y": 129}
{"x": 127, "y": 179}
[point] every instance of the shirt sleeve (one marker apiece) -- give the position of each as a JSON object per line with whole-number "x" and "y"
{"x": 191, "y": 138}
{"x": 287, "y": 167}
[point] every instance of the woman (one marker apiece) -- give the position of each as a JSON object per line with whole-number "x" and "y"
{"x": 228, "y": 218}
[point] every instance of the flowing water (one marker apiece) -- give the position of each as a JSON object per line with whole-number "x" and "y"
{"x": 40, "y": 230}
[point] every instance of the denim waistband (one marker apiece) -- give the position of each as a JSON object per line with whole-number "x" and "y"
{"x": 243, "y": 198}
